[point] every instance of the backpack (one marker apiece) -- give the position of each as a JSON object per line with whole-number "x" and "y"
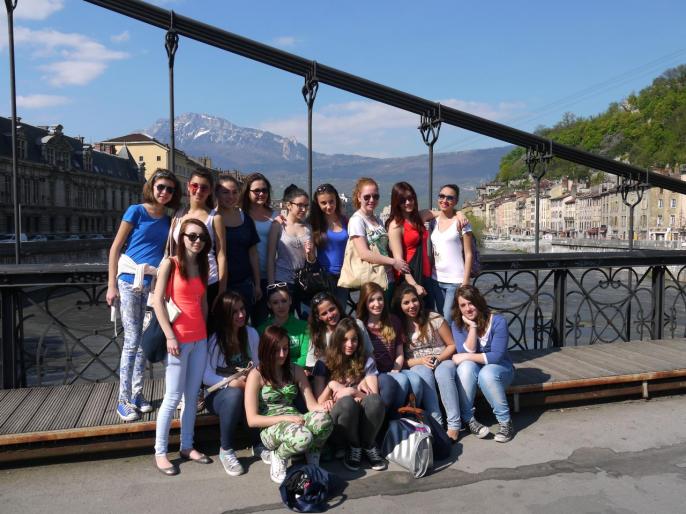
{"x": 306, "y": 488}
{"x": 409, "y": 444}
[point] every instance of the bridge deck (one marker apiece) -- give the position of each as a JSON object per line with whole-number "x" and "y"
{"x": 74, "y": 413}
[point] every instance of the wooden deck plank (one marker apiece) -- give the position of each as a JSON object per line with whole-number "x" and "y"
{"x": 672, "y": 356}
{"x": 42, "y": 419}
{"x": 73, "y": 407}
{"x": 597, "y": 365}
{"x": 92, "y": 412}
{"x": 632, "y": 360}
{"x": 109, "y": 408}
{"x": 583, "y": 368}
{"x": 557, "y": 372}
{"x": 158, "y": 393}
{"x": 3, "y": 392}
{"x": 147, "y": 393}
{"x": 21, "y": 416}
{"x": 11, "y": 402}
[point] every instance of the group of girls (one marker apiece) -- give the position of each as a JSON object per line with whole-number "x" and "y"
{"x": 330, "y": 375}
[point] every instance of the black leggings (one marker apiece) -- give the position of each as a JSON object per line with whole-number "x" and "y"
{"x": 358, "y": 423}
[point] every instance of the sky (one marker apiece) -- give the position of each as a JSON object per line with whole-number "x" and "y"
{"x": 525, "y": 64}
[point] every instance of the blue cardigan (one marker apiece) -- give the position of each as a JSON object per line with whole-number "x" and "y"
{"x": 495, "y": 350}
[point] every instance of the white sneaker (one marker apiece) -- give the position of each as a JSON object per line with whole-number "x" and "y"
{"x": 262, "y": 452}
{"x": 230, "y": 462}
{"x": 278, "y": 468}
{"x": 312, "y": 458}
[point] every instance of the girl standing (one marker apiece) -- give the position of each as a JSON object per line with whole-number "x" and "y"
{"x": 183, "y": 278}
{"x": 291, "y": 245}
{"x": 347, "y": 382}
{"x": 201, "y": 206}
{"x": 452, "y": 250}
{"x": 366, "y": 231}
{"x": 482, "y": 360}
{"x": 233, "y": 345}
{"x": 330, "y": 235}
{"x": 142, "y": 235}
{"x": 270, "y": 392}
{"x": 256, "y": 203}
{"x": 428, "y": 351}
{"x": 243, "y": 269}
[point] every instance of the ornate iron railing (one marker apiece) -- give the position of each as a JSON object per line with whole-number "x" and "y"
{"x": 56, "y": 325}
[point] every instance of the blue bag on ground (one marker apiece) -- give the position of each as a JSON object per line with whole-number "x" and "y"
{"x": 306, "y": 488}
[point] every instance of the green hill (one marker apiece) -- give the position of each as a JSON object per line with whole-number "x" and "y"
{"x": 647, "y": 129}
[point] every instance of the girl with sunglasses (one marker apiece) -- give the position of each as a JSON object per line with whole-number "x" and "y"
{"x": 256, "y": 203}
{"x": 330, "y": 235}
{"x": 366, "y": 231}
{"x": 233, "y": 345}
{"x": 270, "y": 393}
{"x": 183, "y": 278}
{"x": 136, "y": 252}
{"x": 241, "y": 237}
{"x": 201, "y": 206}
{"x": 346, "y": 382}
{"x": 451, "y": 241}
{"x": 279, "y": 302}
{"x": 429, "y": 348}
{"x": 290, "y": 245}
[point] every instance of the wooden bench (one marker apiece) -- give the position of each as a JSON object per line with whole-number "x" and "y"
{"x": 53, "y": 421}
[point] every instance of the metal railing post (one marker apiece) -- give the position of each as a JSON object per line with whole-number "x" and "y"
{"x": 309, "y": 92}
{"x": 559, "y": 310}
{"x": 171, "y": 44}
{"x": 430, "y": 128}
{"x": 11, "y": 5}
{"x": 658, "y": 293}
{"x": 9, "y": 376}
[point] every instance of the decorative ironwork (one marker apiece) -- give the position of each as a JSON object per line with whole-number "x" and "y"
{"x": 430, "y": 129}
{"x": 309, "y": 92}
{"x": 171, "y": 44}
{"x": 534, "y": 157}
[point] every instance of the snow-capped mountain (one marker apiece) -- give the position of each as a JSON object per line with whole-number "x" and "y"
{"x": 284, "y": 160}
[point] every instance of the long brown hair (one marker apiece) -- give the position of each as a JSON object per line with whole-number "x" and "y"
{"x": 366, "y": 291}
{"x": 361, "y": 182}
{"x": 422, "y": 318}
{"x": 317, "y": 216}
{"x": 473, "y": 295}
{"x": 181, "y": 259}
{"x": 222, "y": 317}
{"x": 400, "y": 191}
{"x": 340, "y": 365}
{"x": 254, "y": 177}
{"x": 267, "y": 352}
{"x": 210, "y": 201}
{"x": 316, "y": 326}
{"x": 149, "y": 188}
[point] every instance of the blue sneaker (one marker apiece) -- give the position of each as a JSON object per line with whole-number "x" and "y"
{"x": 127, "y": 412}
{"x": 141, "y": 404}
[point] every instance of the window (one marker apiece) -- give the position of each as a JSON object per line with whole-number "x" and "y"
{"x": 22, "y": 148}
{"x": 140, "y": 158}
{"x": 672, "y": 220}
{"x": 50, "y": 155}
{"x": 660, "y": 203}
{"x": 672, "y": 203}
{"x": 659, "y": 220}
{"x": 159, "y": 158}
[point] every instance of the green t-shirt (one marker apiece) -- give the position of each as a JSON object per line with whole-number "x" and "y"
{"x": 299, "y": 336}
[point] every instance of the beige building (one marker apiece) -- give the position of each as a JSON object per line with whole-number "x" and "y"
{"x": 153, "y": 154}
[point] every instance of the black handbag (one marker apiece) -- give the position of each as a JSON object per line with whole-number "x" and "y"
{"x": 311, "y": 279}
{"x": 154, "y": 341}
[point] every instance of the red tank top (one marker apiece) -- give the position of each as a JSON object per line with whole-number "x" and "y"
{"x": 187, "y": 295}
{"x": 411, "y": 244}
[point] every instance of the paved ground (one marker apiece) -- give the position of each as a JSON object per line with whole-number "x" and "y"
{"x": 617, "y": 457}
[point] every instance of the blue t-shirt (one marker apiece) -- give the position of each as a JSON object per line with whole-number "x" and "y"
{"x": 238, "y": 241}
{"x": 330, "y": 255}
{"x": 147, "y": 239}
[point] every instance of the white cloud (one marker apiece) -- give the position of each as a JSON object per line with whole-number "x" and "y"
{"x": 374, "y": 129}
{"x": 121, "y": 38}
{"x": 285, "y": 41}
{"x": 40, "y": 101}
{"x": 37, "y": 9}
{"x": 76, "y": 59}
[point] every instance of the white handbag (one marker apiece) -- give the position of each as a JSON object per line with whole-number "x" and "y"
{"x": 409, "y": 444}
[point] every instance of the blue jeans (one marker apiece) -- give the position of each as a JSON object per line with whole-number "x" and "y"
{"x": 492, "y": 379}
{"x": 227, "y": 404}
{"x": 132, "y": 363}
{"x": 444, "y": 296}
{"x": 393, "y": 388}
{"x": 183, "y": 376}
{"x": 423, "y": 381}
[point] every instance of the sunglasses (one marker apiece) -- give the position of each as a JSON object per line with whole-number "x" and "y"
{"x": 259, "y": 191}
{"x": 169, "y": 189}
{"x": 320, "y": 297}
{"x": 450, "y": 198}
{"x": 375, "y": 196}
{"x": 408, "y": 199}
{"x": 325, "y": 188}
{"x": 195, "y": 187}
{"x": 193, "y": 237}
{"x": 277, "y": 285}
{"x": 301, "y": 206}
